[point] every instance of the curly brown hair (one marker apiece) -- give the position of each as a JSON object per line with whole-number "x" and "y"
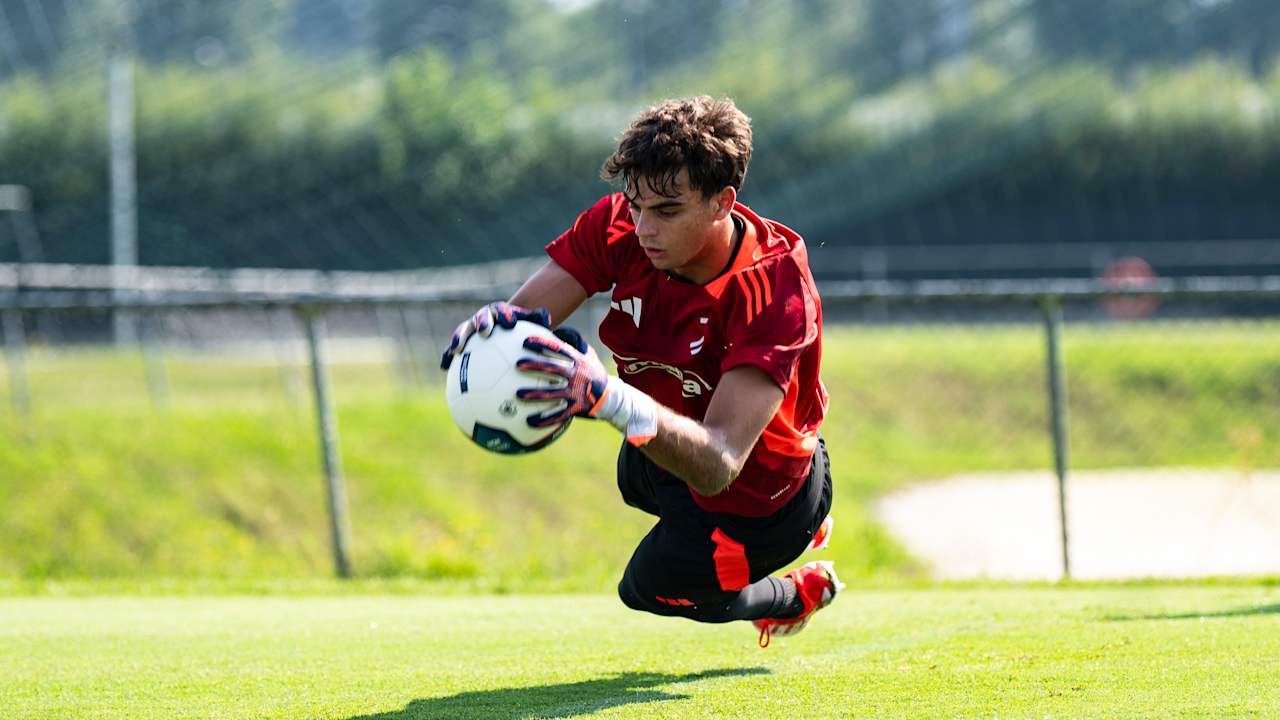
{"x": 711, "y": 138}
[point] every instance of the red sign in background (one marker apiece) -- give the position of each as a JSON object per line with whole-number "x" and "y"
{"x": 1129, "y": 272}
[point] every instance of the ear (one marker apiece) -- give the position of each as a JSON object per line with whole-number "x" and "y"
{"x": 724, "y": 201}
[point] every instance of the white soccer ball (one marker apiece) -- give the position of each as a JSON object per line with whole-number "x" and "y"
{"x": 481, "y": 392}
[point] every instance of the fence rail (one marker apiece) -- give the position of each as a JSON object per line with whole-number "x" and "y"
{"x": 1240, "y": 257}
{"x": 58, "y": 276}
{"x": 83, "y": 287}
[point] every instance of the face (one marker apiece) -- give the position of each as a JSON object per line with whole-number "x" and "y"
{"x": 684, "y": 233}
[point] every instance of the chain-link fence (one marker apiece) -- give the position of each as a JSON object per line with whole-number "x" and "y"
{"x": 1168, "y": 442}
{"x": 1163, "y": 429}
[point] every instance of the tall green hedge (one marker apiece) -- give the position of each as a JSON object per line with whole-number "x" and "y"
{"x": 423, "y": 162}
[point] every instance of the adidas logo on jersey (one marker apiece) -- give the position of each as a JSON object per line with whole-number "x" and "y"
{"x": 630, "y": 306}
{"x": 695, "y": 347}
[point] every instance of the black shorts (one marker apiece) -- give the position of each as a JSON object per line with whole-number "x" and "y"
{"x": 694, "y": 562}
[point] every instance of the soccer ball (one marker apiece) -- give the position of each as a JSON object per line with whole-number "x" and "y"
{"x": 481, "y": 392}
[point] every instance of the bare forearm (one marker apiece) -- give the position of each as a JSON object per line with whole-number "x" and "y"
{"x": 707, "y": 455}
{"x": 555, "y": 289}
{"x": 692, "y": 452}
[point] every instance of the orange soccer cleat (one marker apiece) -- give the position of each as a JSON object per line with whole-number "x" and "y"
{"x": 817, "y": 585}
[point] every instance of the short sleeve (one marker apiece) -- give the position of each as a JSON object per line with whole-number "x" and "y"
{"x": 585, "y": 250}
{"x": 772, "y": 317}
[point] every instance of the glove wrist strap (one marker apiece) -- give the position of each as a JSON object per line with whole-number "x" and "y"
{"x": 630, "y": 410}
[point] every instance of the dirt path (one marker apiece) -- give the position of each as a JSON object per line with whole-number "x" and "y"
{"x": 1169, "y": 522}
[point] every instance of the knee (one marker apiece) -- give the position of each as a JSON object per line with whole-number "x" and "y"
{"x": 645, "y": 600}
{"x": 714, "y": 611}
{"x": 627, "y": 593}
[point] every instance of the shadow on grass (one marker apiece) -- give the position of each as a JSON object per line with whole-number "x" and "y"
{"x": 563, "y": 700}
{"x": 1238, "y": 612}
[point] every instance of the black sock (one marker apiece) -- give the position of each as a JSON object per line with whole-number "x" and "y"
{"x": 771, "y": 597}
{"x": 794, "y": 605}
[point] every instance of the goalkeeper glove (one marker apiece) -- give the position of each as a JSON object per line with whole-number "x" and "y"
{"x": 497, "y": 313}
{"x": 588, "y": 390}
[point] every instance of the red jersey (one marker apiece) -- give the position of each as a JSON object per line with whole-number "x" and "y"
{"x": 674, "y": 339}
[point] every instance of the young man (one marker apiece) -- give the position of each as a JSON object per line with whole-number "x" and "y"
{"x": 716, "y": 330}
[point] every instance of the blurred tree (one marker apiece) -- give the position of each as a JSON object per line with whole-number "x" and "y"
{"x": 652, "y": 37}
{"x": 31, "y": 34}
{"x": 456, "y": 27}
{"x": 327, "y": 27}
{"x": 1129, "y": 32}
{"x": 883, "y": 42}
{"x": 207, "y": 33}
{"x": 1245, "y": 29}
{"x": 1122, "y": 32}
{"x": 903, "y": 39}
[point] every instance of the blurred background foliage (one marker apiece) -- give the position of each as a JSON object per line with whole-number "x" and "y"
{"x": 379, "y": 134}
{"x": 903, "y": 139}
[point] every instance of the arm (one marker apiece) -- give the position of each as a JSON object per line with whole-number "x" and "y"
{"x": 553, "y": 288}
{"x": 709, "y": 455}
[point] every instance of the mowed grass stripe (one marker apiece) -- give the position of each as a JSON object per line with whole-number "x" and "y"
{"x": 1152, "y": 651}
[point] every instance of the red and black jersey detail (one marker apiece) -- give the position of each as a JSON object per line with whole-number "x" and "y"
{"x": 674, "y": 339}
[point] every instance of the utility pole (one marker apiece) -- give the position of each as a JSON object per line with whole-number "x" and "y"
{"x": 124, "y": 214}
{"x": 16, "y": 199}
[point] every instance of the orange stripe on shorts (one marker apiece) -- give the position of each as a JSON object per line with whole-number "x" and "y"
{"x": 731, "y": 562}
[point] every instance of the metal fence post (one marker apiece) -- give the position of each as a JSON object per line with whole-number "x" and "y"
{"x": 286, "y": 359}
{"x": 15, "y": 343}
{"x": 313, "y": 322}
{"x": 1052, "y": 309}
{"x": 411, "y": 355}
{"x": 389, "y": 327}
{"x": 427, "y": 326}
{"x": 157, "y": 378}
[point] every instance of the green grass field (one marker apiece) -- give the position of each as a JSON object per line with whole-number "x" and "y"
{"x": 170, "y": 563}
{"x": 1162, "y": 651}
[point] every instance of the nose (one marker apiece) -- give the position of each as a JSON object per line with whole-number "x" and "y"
{"x": 645, "y": 226}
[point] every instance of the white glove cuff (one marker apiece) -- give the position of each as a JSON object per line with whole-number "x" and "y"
{"x": 630, "y": 410}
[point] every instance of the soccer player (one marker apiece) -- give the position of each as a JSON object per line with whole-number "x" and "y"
{"x": 716, "y": 330}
